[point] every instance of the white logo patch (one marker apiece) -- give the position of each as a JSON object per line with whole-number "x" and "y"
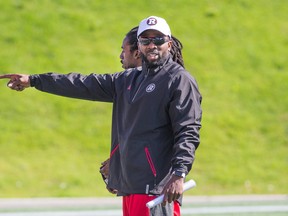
{"x": 152, "y": 21}
{"x": 150, "y": 87}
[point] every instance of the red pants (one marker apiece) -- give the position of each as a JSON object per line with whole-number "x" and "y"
{"x": 135, "y": 205}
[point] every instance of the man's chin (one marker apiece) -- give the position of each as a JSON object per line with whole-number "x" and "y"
{"x": 152, "y": 61}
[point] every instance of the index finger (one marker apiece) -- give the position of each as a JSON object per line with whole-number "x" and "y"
{"x": 8, "y": 76}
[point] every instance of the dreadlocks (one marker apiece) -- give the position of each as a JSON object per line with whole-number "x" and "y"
{"x": 132, "y": 40}
{"x": 176, "y": 49}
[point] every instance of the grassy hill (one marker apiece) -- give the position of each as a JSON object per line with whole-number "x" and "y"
{"x": 237, "y": 50}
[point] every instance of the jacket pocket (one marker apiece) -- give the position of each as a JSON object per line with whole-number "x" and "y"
{"x": 150, "y": 161}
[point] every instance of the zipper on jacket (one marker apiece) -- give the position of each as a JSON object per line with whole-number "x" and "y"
{"x": 140, "y": 85}
{"x": 148, "y": 156}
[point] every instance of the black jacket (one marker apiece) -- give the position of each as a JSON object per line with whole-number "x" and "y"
{"x": 155, "y": 125}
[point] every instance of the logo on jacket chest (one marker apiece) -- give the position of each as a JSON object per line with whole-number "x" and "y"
{"x": 150, "y": 88}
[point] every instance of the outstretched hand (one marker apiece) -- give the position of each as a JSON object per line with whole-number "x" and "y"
{"x": 17, "y": 82}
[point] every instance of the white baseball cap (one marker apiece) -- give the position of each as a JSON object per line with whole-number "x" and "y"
{"x": 155, "y": 23}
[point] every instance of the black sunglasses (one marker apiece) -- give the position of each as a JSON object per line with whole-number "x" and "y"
{"x": 158, "y": 41}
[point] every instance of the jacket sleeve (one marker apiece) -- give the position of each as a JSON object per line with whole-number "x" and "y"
{"x": 89, "y": 87}
{"x": 185, "y": 114}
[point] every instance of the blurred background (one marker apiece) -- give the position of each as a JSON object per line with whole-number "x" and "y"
{"x": 52, "y": 146}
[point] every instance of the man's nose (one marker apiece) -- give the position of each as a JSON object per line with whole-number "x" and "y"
{"x": 121, "y": 55}
{"x": 151, "y": 45}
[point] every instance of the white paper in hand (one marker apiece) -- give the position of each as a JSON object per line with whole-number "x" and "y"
{"x": 187, "y": 185}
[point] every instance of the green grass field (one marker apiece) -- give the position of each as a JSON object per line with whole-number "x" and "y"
{"x": 237, "y": 50}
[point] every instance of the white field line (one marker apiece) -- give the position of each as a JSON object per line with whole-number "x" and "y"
{"x": 234, "y": 209}
{"x": 184, "y": 211}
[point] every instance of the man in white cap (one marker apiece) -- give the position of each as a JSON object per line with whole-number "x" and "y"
{"x": 156, "y": 120}
{"x": 156, "y": 30}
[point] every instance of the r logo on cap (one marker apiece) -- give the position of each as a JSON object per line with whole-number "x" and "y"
{"x": 152, "y": 21}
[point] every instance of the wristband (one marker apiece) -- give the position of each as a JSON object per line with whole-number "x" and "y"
{"x": 179, "y": 174}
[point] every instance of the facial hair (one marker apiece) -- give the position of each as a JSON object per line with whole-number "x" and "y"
{"x": 156, "y": 63}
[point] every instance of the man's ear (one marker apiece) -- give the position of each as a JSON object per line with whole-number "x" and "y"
{"x": 169, "y": 45}
{"x": 136, "y": 54}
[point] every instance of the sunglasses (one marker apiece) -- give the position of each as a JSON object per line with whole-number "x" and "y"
{"x": 158, "y": 41}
